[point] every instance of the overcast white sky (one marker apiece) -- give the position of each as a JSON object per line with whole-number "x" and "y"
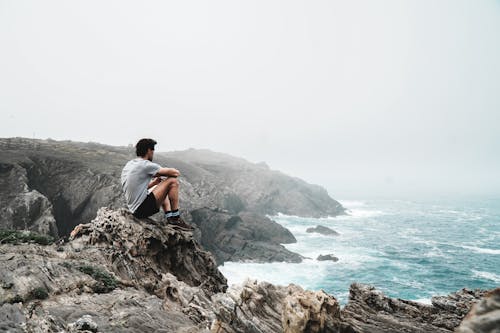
{"x": 367, "y": 98}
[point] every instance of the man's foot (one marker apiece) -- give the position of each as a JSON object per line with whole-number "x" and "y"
{"x": 177, "y": 221}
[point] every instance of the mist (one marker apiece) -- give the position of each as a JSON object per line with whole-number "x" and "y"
{"x": 368, "y": 99}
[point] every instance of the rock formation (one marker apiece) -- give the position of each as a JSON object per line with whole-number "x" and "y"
{"x": 322, "y": 230}
{"x": 484, "y": 316}
{"x": 369, "y": 310}
{"x": 331, "y": 257}
{"x": 244, "y": 236}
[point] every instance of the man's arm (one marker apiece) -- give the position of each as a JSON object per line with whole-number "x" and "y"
{"x": 167, "y": 172}
{"x": 154, "y": 182}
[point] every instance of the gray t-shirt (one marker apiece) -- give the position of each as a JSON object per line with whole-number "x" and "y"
{"x": 136, "y": 175}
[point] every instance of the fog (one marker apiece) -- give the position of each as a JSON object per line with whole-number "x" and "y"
{"x": 368, "y": 98}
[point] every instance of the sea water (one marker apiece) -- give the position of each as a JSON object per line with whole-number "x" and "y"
{"x": 407, "y": 249}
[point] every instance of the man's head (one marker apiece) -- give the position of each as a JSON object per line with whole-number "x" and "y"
{"x": 145, "y": 148}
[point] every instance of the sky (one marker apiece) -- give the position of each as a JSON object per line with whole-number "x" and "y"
{"x": 370, "y": 99}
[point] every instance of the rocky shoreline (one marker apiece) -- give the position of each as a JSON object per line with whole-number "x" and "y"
{"x": 121, "y": 274}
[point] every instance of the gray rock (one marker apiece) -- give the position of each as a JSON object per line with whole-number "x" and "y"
{"x": 369, "y": 310}
{"x": 85, "y": 323}
{"x": 322, "y": 230}
{"x": 327, "y": 257}
{"x": 263, "y": 307}
{"x": 484, "y": 316}
{"x": 243, "y": 237}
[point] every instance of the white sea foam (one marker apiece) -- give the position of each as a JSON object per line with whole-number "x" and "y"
{"x": 423, "y": 301}
{"x": 351, "y": 203}
{"x": 481, "y": 249}
{"x": 277, "y": 273}
{"x": 487, "y": 275}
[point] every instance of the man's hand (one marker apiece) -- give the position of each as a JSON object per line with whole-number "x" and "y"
{"x": 154, "y": 182}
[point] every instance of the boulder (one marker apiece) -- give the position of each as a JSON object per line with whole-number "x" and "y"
{"x": 327, "y": 257}
{"x": 322, "y": 230}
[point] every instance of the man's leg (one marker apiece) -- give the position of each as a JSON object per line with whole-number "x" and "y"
{"x": 166, "y": 204}
{"x": 167, "y": 190}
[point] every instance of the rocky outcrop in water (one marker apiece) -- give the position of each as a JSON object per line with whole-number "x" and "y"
{"x": 324, "y": 257}
{"x": 122, "y": 274}
{"x": 322, "y": 230}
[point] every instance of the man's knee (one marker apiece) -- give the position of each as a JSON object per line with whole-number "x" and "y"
{"x": 173, "y": 182}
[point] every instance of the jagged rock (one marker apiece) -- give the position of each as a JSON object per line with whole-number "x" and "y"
{"x": 21, "y": 207}
{"x": 85, "y": 323}
{"x": 327, "y": 257}
{"x": 245, "y": 236}
{"x": 116, "y": 269}
{"x": 484, "y": 316}
{"x": 263, "y": 307}
{"x": 144, "y": 249}
{"x": 369, "y": 311}
{"x": 322, "y": 230}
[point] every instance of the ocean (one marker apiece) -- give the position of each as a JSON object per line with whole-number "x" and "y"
{"x": 407, "y": 249}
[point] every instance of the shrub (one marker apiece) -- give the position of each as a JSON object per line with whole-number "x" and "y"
{"x": 105, "y": 281}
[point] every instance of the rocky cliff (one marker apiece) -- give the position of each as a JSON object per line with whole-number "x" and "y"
{"x": 121, "y": 274}
{"x": 51, "y": 186}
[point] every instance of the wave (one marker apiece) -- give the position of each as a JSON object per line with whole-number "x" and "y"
{"x": 487, "y": 275}
{"x": 423, "y": 301}
{"x": 481, "y": 249}
{"x": 351, "y": 203}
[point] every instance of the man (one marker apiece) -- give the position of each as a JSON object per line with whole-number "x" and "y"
{"x": 136, "y": 179}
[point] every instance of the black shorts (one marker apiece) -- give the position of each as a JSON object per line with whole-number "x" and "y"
{"x": 147, "y": 207}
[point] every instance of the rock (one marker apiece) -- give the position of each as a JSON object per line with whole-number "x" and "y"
{"x": 12, "y": 318}
{"x": 369, "y": 310}
{"x": 23, "y": 208}
{"x": 322, "y": 230}
{"x": 327, "y": 257}
{"x": 243, "y": 237}
{"x": 85, "y": 323}
{"x": 263, "y": 307}
{"x": 143, "y": 249}
{"x": 484, "y": 316}
{"x": 116, "y": 269}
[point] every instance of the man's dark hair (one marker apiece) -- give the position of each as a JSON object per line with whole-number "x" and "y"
{"x": 141, "y": 148}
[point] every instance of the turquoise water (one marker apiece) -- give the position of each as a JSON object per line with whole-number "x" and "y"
{"x": 407, "y": 249}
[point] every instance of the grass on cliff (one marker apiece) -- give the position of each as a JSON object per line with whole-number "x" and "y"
{"x": 24, "y": 236}
{"x": 105, "y": 281}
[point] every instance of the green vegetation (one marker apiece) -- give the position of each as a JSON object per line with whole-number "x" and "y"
{"x": 15, "y": 299}
{"x": 105, "y": 281}
{"x": 24, "y": 236}
{"x": 38, "y": 293}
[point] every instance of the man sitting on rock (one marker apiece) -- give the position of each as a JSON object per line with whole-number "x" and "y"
{"x": 136, "y": 179}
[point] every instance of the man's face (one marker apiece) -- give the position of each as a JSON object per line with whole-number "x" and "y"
{"x": 150, "y": 154}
